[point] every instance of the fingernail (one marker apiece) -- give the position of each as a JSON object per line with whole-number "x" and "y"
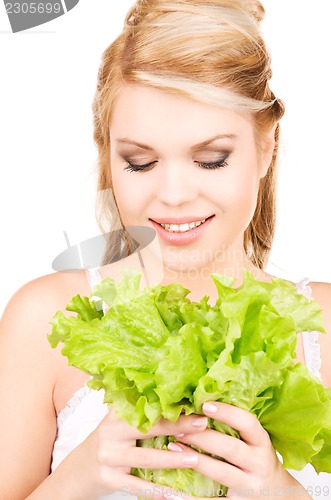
{"x": 175, "y": 447}
{"x": 179, "y": 435}
{"x": 200, "y": 422}
{"x": 190, "y": 460}
{"x": 209, "y": 408}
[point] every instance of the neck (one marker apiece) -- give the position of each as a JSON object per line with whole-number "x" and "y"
{"x": 198, "y": 279}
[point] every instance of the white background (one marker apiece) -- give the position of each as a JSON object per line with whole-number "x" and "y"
{"x": 47, "y": 153}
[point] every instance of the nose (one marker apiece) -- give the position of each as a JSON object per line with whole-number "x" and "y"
{"x": 177, "y": 184}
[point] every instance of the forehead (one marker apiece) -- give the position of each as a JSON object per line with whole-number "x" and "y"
{"x": 147, "y": 114}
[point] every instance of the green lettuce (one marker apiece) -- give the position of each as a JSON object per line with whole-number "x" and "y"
{"x": 157, "y": 354}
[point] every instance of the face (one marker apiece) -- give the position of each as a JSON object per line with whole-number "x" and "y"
{"x": 189, "y": 170}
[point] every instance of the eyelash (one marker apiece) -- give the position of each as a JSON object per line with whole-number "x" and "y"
{"x": 221, "y": 163}
{"x": 213, "y": 165}
{"x": 132, "y": 167}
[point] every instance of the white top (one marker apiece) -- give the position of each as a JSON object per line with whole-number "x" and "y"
{"x": 85, "y": 410}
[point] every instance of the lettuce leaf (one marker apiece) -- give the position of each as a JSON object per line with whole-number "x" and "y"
{"x": 156, "y": 353}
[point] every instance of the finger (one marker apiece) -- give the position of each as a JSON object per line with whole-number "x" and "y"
{"x": 248, "y": 426}
{"x": 218, "y": 470}
{"x": 184, "y": 424}
{"x": 230, "y": 448}
{"x": 150, "y": 458}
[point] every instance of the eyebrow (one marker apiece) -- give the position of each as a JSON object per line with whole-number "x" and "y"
{"x": 196, "y": 147}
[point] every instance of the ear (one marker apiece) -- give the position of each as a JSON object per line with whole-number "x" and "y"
{"x": 267, "y": 151}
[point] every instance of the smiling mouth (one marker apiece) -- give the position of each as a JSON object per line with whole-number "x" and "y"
{"x": 182, "y": 228}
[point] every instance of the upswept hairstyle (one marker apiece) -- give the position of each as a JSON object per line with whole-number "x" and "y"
{"x": 210, "y": 51}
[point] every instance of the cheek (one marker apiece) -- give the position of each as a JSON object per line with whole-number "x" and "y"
{"x": 238, "y": 192}
{"x": 130, "y": 195}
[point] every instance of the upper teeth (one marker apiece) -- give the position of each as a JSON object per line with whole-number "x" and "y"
{"x": 182, "y": 228}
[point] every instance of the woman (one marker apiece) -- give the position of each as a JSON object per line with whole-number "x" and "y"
{"x": 187, "y": 131}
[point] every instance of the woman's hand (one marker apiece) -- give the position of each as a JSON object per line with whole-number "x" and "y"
{"x": 251, "y": 468}
{"x": 101, "y": 465}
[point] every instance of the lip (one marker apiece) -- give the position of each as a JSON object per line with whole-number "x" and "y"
{"x": 180, "y": 239}
{"x": 179, "y": 220}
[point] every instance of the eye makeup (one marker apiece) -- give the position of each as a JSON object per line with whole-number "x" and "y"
{"x": 133, "y": 167}
{"x": 215, "y": 164}
{"x": 220, "y": 162}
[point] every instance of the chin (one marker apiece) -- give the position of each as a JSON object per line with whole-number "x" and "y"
{"x": 188, "y": 263}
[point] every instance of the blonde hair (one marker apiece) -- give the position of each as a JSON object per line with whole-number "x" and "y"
{"x": 209, "y": 51}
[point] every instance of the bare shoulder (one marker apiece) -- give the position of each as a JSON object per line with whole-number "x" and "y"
{"x": 26, "y": 319}
{"x": 322, "y": 295}
{"x": 54, "y": 284}
{"x": 31, "y": 372}
{"x": 37, "y": 299}
{"x": 47, "y": 291}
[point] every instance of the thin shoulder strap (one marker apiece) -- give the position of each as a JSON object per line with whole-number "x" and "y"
{"x": 312, "y": 352}
{"x": 311, "y": 347}
{"x": 93, "y": 276}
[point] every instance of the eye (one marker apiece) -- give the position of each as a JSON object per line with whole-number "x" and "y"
{"x": 134, "y": 167}
{"x": 212, "y": 165}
